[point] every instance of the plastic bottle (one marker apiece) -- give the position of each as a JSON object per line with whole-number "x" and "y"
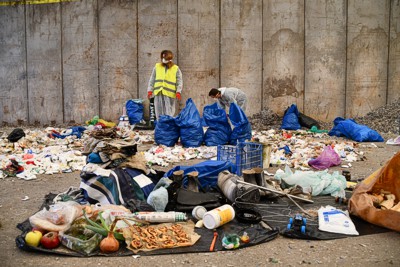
{"x": 160, "y": 217}
{"x": 219, "y": 216}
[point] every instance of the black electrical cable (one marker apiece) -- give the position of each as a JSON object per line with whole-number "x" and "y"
{"x": 248, "y": 215}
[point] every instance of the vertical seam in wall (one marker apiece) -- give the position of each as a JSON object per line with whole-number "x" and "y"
{"x": 62, "y": 64}
{"x": 304, "y": 57}
{"x": 98, "y": 60}
{"x": 345, "y": 67}
{"x": 26, "y": 66}
{"x": 219, "y": 44}
{"x": 388, "y": 55}
{"x": 177, "y": 32}
{"x": 137, "y": 50}
{"x": 262, "y": 55}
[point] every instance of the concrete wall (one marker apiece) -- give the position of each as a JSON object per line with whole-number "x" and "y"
{"x": 67, "y": 62}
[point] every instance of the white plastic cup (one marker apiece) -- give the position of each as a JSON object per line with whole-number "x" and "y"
{"x": 219, "y": 216}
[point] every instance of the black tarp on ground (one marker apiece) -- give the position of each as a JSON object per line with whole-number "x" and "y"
{"x": 257, "y": 235}
{"x": 275, "y": 213}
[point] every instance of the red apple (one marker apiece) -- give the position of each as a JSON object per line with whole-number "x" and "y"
{"x": 50, "y": 240}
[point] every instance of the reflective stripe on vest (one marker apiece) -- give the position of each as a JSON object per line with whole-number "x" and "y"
{"x": 165, "y": 81}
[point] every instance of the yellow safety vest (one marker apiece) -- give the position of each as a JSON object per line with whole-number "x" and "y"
{"x": 165, "y": 80}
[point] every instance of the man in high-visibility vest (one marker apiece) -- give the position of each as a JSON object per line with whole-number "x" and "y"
{"x": 165, "y": 85}
{"x": 225, "y": 96}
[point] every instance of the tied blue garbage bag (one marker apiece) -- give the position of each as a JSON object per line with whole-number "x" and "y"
{"x": 350, "y": 129}
{"x": 166, "y": 131}
{"x": 219, "y": 131}
{"x": 134, "y": 110}
{"x": 290, "y": 120}
{"x": 242, "y": 128}
{"x": 191, "y": 129}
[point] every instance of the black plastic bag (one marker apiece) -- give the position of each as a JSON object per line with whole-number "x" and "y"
{"x": 15, "y": 135}
{"x": 307, "y": 121}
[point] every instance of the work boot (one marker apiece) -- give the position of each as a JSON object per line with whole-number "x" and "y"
{"x": 259, "y": 176}
{"x": 177, "y": 176}
{"x": 249, "y": 176}
{"x": 193, "y": 181}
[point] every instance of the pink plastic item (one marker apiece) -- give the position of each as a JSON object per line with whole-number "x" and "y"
{"x": 326, "y": 159}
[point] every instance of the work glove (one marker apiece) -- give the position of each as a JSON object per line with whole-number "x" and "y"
{"x": 178, "y": 95}
{"x": 149, "y": 94}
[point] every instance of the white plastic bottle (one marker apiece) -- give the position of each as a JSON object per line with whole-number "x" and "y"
{"x": 218, "y": 216}
{"x": 160, "y": 217}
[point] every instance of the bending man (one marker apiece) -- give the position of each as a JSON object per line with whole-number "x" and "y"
{"x": 226, "y": 96}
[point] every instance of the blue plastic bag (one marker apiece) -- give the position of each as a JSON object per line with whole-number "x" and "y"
{"x": 350, "y": 129}
{"x": 134, "y": 110}
{"x": 77, "y": 131}
{"x": 191, "y": 129}
{"x": 166, "y": 131}
{"x": 208, "y": 171}
{"x": 219, "y": 131}
{"x": 290, "y": 120}
{"x": 242, "y": 128}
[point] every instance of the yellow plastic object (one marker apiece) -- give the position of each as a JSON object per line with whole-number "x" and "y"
{"x": 107, "y": 123}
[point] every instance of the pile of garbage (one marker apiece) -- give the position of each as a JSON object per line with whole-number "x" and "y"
{"x": 51, "y": 150}
{"x": 162, "y": 155}
{"x": 297, "y": 148}
{"x": 385, "y": 119}
{"x": 38, "y": 152}
{"x": 265, "y": 119}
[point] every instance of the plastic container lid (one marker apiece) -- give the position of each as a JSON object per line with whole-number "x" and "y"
{"x": 210, "y": 220}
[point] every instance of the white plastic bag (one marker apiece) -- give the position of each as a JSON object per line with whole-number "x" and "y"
{"x": 58, "y": 218}
{"x": 337, "y": 221}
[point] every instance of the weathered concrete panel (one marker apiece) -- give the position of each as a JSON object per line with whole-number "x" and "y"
{"x": 80, "y": 60}
{"x": 117, "y": 56}
{"x": 241, "y": 49}
{"x": 157, "y": 31}
{"x": 394, "y": 53}
{"x": 367, "y": 54}
{"x": 283, "y": 57}
{"x": 43, "y": 42}
{"x": 325, "y": 59}
{"x": 198, "y": 42}
{"x": 13, "y": 88}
